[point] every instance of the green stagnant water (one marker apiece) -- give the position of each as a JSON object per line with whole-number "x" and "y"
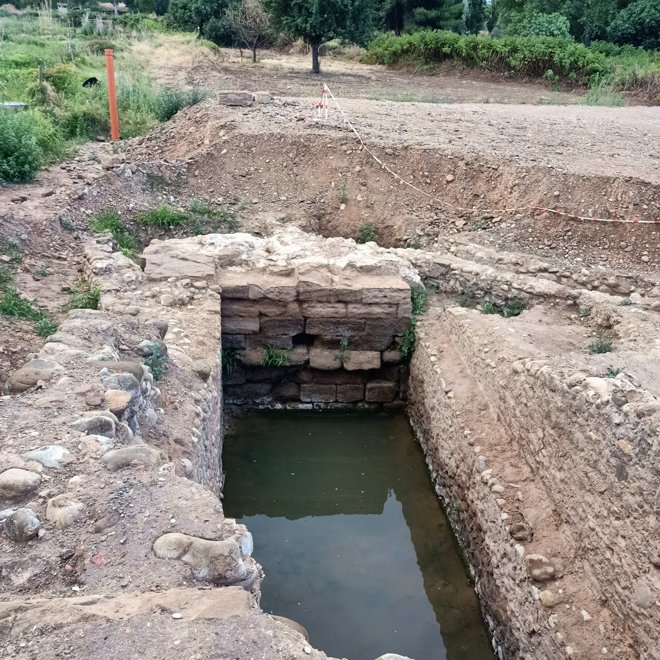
{"x": 354, "y": 543}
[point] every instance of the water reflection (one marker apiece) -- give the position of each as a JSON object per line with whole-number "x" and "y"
{"x": 350, "y": 533}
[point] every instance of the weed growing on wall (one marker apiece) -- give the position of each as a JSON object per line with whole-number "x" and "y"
{"x": 111, "y": 221}
{"x": 164, "y": 217}
{"x": 274, "y": 357}
{"x": 84, "y": 295}
{"x": 157, "y": 362}
{"x": 229, "y": 359}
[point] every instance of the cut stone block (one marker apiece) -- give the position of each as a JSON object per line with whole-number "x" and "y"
{"x": 272, "y": 287}
{"x": 260, "y": 341}
{"x": 334, "y": 328}
{"x": 361, "y": 360}
{"x": 165, "y": 260}
{"x": 233, "y": 284}
{"x": 380, "y": 391}
{"x": 324, "y": 358}
{"x": 233, "y": 341}
{"x": 298, "y": 356}
{"x": 350, "y": 393}
{"x": 323, "y": 310}
{"x": 366, "y": 311}
{"x": 340, "y": 377}
{"x": 263, "y": 307}
{"x": 240, "y": 325}
{"x": 282, "y": 326}
{"x": 248, "y": 391}
{"x": 391, "y": 357}
{"x": 286, "y": 391}
{"x": 318, "y": 393}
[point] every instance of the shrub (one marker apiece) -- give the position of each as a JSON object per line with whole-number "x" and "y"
{"x": 366, "y": 233}
{"x": 613, "y": 372}
{"x": 163, "y": 217}
{"x": 488, "y": 307}
{"x": 408, "y": 341}
{"x": 519, "y": 56}
{"x": 50, "y": 139}
{"x": 86, "y": 121}
{"x": 20, "y": 155}
{"x": 601, "y": 346}
{"x": 638, "y": 24}
{"x": 584, "y": 312}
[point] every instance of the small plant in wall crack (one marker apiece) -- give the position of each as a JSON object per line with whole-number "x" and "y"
{"x": 274, "y": 357}
{"x": 343, "y": 349}
{"x": 157, "y": 362}
{"x": 419, "y": 298}
{"x": 584, "y": 312}
{"x": 408, "y": 341}
{"x": 84, "y": 295}
{"x": 229, "y": 359}
{"x": 613, "y": 372}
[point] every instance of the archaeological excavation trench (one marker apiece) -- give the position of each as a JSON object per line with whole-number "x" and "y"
{"x": 272, "y": 468}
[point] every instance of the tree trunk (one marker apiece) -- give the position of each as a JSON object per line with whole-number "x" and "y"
{"x": 200, "y": 30}
{"x": 254, "y": 54}
{"x": 316, "y": 67}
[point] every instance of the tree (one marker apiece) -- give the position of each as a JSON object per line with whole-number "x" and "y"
{"x": 439, "y": 15}
{"x": 475, "y": 16}
{"x": 249, "y": 22}
{"x": 319, "y": 21}
{"x": 638, "y": 24}
{"x": 393, "y": 15}
{"x": 195, "y": 14}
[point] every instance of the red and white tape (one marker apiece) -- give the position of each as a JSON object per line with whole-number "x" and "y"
{"x": 323, "y": 105}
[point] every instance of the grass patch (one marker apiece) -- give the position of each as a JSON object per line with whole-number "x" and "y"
{"x": 5, "y": 276}
{"x": 366, "y": 233}
{"x": 14, "y": 305}
{"x": 11, "y": 250}
{"x": 604, "y": 94}
{"x": 229, "y": 359}
{"x": 157, "y": 362}
{"x": 45, "y": 64}
{"x": 601, "y": 346}
{"x": 164, "y": 217}
{"x": 111, "y": 221}
{"x": 274, "y": 357}
{"x": 41, "y": 272}
{"x": 84, "y": 295}
{"x": 208, "y": 219}
{"x": 613, "y": 372}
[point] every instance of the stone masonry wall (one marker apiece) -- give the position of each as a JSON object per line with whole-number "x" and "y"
{"x": 330, "y": 312}
{"x": 593, "y": 443}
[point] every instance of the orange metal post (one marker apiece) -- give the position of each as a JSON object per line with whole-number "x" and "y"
{"x": 112, "y": 93}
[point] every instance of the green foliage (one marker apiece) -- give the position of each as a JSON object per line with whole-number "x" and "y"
{"x": 343, "y": 345}
{"x": 488, "y": 307}
{"x": 11, "y": 250}
{"x": 41, "y": 272}
{"x": 518, "y": 56}
{"x": 274, "y": 357}
{"x": 195, "y": 14}
{"x": 584, "y": 312}
{"x": 601, "y": 346}
{"x": 366, "y": 233}
{"x": 343, "y": 193}
{"x": 466, "y": 297}
{"x": 45, "y": 67}
{"x": 319, "y": 21}
{"x": 157, "y": 362}
{"x": 613, "y": 372}
{"x": 438, "y": 15}
{"x": 475, "y": 16}
{"x": 638, "y": 24}
{"x": 20, "y": 155}
{"x": 14, "y": 305}
{"x": 164, "y": 217}
{"x": 408, "y": 341}
{"x": 5, "y": 276}
{"x": 229, "y": 359}
{"x": 84, "y": 295}
{"x": 602, "y": 93}
{"x": 419, "y": 298}
{"x": 110, "y": 221}
{"x": 626, "y": 302}
{"x": 539, "y": 24}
